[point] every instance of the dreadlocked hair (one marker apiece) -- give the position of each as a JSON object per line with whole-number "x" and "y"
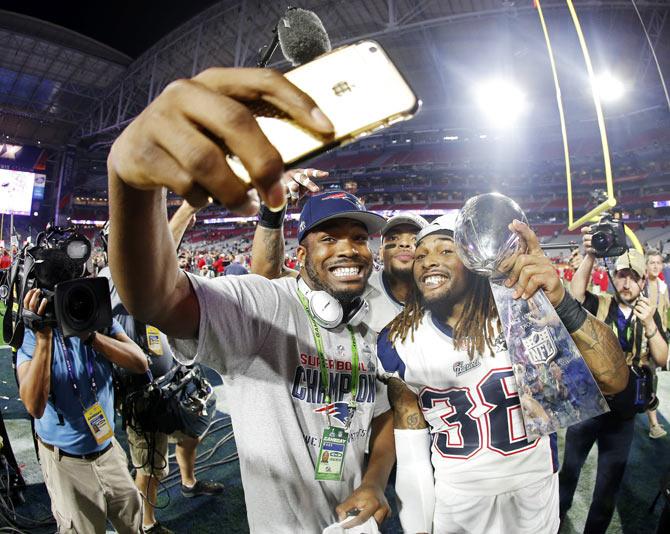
{"x": 409, "y": 319}
{"x": 475, "y": 330}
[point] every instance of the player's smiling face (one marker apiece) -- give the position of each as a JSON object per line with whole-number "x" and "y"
{"x": 438, "y": 271}
{"x": 398, "y": 249}
{"x": 336, "y": 258}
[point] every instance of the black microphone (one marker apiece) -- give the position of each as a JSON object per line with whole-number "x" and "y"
{"x": 302, "y": 36}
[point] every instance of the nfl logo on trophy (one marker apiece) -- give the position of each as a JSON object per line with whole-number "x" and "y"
{"x": 540, "y": 346}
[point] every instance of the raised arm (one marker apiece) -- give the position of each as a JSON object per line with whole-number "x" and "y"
{"x": 602, "y": 352}
{"x": 267, "y": 250}
{"x": 177, "y": 143}
{"x": 182, "y": 220}
{"x": 594, "y": 339}
{"x": 151, "y": 286}
{"x": 122, "y": 351}
{"x": 580, "y": 280}
{"x": 34, "y": 376}
{"x": 653, "y": 330}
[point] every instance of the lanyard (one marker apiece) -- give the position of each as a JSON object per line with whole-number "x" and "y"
{"x": 625, "y": 327}
{"x": 658, "y": 292}
{"x": 69, "y": 364}
{"x": 318, "y": 340}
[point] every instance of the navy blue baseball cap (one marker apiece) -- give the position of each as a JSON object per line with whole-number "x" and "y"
{"x": 336, "y": 205}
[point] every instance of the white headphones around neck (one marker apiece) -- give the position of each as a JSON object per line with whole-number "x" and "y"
{"x": 327, "y": 310}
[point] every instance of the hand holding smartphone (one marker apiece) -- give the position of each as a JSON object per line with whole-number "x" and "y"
{"x": 357, "y": 87}
{"x": 226, "y": 131}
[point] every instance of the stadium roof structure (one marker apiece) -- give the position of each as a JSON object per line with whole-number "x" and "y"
{"x": 50, "y": 79}
{"x": 428, "y": 39}
{"x": 61, "y": 88}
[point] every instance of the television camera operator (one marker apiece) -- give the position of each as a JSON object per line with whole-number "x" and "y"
{"x": 638, "y": 327}
{"x": 65, "y": 383}
{"x": 147, "y": 443}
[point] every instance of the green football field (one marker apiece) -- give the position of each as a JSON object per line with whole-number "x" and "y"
{"x": 649, "y": 461}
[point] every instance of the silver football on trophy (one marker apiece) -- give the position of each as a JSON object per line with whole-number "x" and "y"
{"x": 483, "y": 238}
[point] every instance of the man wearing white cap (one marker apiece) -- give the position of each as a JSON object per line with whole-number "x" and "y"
{"x": 464, "y": 463}
{"x": 388, "y": 288}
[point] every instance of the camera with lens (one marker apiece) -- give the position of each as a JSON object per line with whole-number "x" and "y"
{"x": 608, "y": 238}
{"x": 56, "y": 264}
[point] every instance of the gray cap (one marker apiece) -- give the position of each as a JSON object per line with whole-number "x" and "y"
{"x": 444, "y": 224}
{"x": 411, "y": 219}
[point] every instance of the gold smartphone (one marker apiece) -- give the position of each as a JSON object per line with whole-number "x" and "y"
{"x": 358, "y": 88}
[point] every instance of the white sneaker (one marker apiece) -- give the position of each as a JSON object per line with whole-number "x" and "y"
{"x": 657, "y": 431}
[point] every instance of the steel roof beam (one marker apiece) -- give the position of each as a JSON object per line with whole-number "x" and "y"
{"x": 208, "y": 39}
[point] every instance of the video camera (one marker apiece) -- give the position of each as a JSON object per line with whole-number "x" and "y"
{"x": 56, "y": 264}
{"x": 608, "y": 237}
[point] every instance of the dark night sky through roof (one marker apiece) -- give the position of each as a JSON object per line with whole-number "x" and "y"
{"x": 130, "y": 27}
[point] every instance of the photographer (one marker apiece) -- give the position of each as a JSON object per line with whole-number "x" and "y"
{"x": 659, "y": 296}
{"x": 66, "y": 385}
{"x": 149, "y": 450}
{"x": 639, "y": 330}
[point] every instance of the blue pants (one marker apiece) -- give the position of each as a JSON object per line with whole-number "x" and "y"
{"x": 614, "y": 437}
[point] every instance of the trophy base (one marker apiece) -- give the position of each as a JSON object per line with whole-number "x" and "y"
{"x": 556, "y": 387}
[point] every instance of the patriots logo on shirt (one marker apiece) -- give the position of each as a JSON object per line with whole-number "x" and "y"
{"x": 463, "y": 367}
{"x": 338, "y": 410}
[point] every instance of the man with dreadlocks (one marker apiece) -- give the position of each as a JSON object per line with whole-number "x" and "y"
{"x": 451, "y": 382}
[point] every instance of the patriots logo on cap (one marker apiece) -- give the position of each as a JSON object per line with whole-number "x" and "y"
{"x": 338, "y": 410}
{"x": 335, "y": 196}
{"x": 342, "y": 195}
{"x": 302, "y": 226}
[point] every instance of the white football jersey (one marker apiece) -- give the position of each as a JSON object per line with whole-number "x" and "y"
{"x": 383, "y": 306}
{"x": 472, "y": 406}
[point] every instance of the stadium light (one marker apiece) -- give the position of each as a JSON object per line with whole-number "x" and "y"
{"x": 501, "y": 101}
{"x": 9, "y": 151}
{"x": 609, "y": 88}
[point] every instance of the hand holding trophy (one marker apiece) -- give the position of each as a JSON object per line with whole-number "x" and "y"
{"x": 556, "y": 388}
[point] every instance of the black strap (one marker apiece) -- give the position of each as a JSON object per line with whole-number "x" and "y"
{"x": 141, "y": 340}
{"x": 273, "y": 220}
{"x": 8, "y": 330}
{"x": 611, "y": 320}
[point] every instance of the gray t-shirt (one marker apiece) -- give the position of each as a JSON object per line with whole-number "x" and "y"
{"x": 383, "y": 307}
{"x": 256, "y": 333}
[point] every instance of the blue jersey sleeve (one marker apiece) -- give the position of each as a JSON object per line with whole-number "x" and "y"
{"x": 116, "y": 328}
{"x": 390, "y": 362}
{"x": 25, "y": 352}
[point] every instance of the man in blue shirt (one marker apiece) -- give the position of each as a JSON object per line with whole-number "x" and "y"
{"x": 66, "y": 385}
{"x": 236, "y": 267}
